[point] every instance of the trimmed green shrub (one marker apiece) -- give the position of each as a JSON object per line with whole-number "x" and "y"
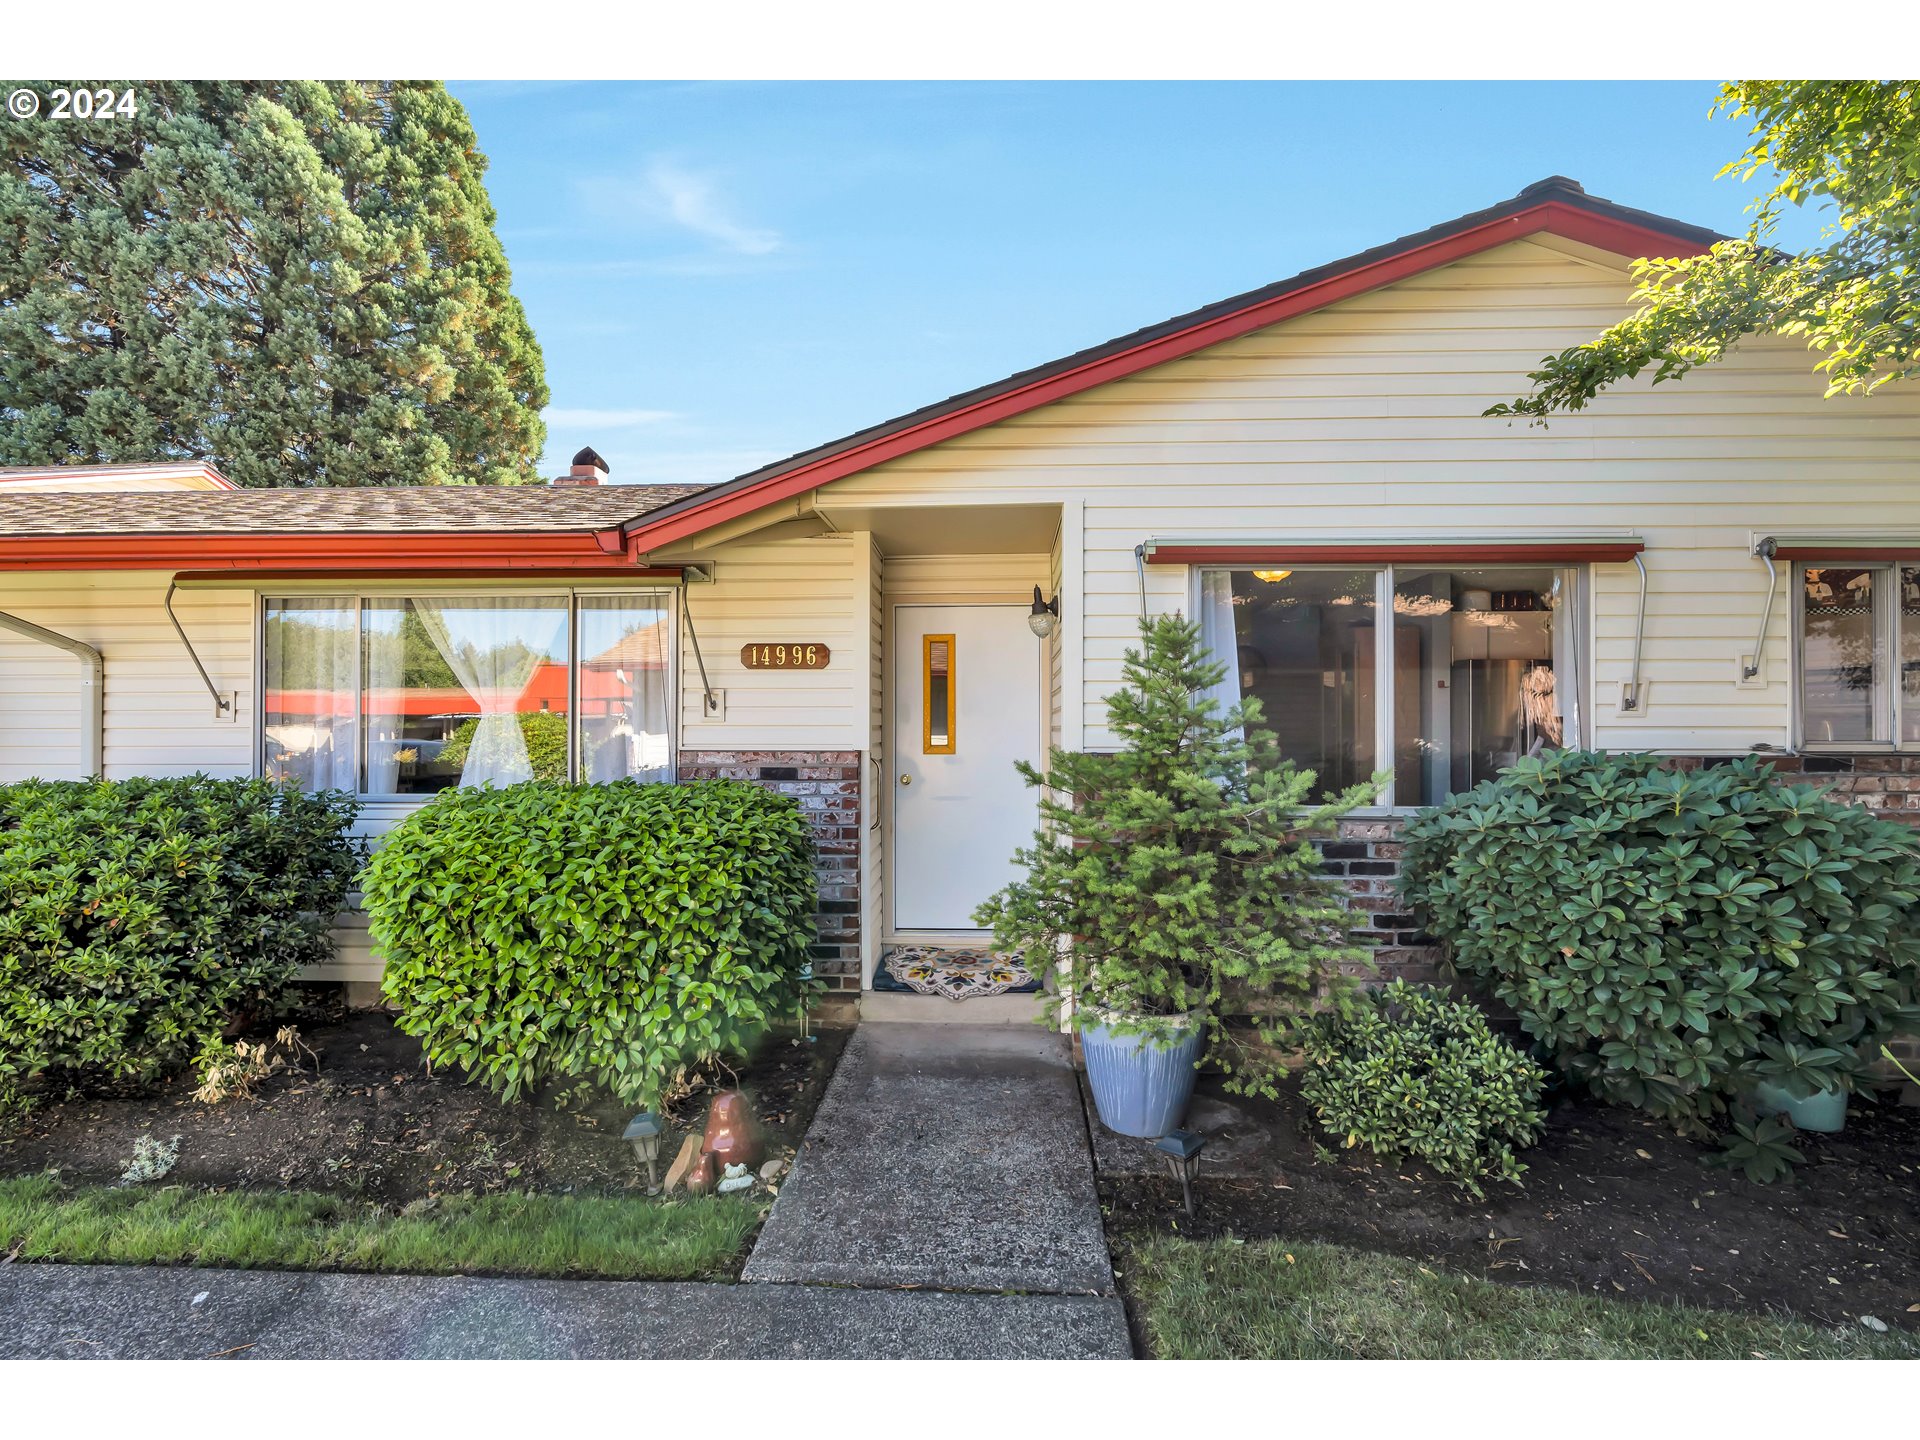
{"x": 142, "y": 919}
{"x": 616, "y": 934}
{"x": 1670, "y": 937}
{"x": 1420, "y": 1074}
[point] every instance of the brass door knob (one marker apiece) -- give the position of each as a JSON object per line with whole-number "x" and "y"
{"x": 906, "y": 779}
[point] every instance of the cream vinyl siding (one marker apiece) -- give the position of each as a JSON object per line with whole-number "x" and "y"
{"x": 784, "y": 590}
{"x": 159, "y": 717}
{"x": 1363, "y": 421}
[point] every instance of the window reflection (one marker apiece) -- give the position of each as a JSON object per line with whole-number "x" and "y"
{"x": 1840, "y": 653}
{"x": 1304, "y": 647}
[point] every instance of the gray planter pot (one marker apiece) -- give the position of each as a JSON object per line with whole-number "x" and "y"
{"x": 1139, "y": 1088}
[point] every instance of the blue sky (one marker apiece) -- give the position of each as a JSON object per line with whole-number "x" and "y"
{"x": 722, "y": 274}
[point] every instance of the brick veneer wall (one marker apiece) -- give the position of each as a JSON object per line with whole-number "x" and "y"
{"x": 1365, "y": 855}
{"x": 1889, "y": 785}
{"x": 826, "y": 783}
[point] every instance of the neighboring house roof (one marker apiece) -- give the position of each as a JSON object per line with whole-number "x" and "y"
{"x": 173, "y": 475}
{"x": 1556, "y": 205}
{"x": 643, "y": 649}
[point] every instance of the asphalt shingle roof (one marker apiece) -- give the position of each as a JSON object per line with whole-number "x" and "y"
{"x": 388, "y": 509}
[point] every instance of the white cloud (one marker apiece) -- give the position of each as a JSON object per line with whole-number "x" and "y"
{"x": 690, "y": 201}
{"x": 667, "y": 194}
{"x": 567, "y": 418}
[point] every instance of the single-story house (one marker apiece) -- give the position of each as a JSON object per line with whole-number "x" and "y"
{"x": 882, "y": 625}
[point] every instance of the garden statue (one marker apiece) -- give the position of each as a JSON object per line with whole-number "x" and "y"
{"x": 733, "y": 1137}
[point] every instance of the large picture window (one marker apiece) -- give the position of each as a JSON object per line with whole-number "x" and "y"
{"x": 1857, "y": 655}
{"x": 408, "y": 695}
{"x": 1477, "y": 668}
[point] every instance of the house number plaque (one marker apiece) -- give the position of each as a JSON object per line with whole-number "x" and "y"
{"x": 801, "y": 655}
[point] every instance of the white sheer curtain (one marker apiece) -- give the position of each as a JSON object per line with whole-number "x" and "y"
{"x": 1218, "y": 635}
{"x": 311, "y": 703}
{"x": 1566, "y": 602}
{"x": 493, "y": 648}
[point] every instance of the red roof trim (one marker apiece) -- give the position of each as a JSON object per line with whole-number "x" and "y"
{"x": 322, "y": 551}
{"x": 1453, "y": 552}
{"x": 524, "y": 572}
{"x": 1605, "y": 232}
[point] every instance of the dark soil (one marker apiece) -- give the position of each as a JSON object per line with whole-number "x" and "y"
{"x": 368, "y": 1119}
{"x": 1613, "y": 1204}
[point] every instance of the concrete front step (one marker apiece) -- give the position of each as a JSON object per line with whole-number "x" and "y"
{"x": 887, "y": 1006}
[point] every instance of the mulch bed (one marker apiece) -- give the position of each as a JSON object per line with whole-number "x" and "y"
{"x": 371, "y": 1121}
{"x": 1613, "y": 1204}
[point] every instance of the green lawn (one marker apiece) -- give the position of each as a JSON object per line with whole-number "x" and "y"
{"x": 609, "y": 1236}
{"x": 1217, "y": 1300}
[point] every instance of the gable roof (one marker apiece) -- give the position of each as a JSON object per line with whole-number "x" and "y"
{"x": 438, "y": 509}
{"x": 1556, "y": 206}
{"x": 470, "y": 528}
{"x": 433, "y": 527}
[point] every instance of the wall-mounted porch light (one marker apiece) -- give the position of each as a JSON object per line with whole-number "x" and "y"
{"x": 1046, "y": 615}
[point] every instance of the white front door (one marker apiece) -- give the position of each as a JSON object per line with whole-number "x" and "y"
{"x": 966, "y": 705}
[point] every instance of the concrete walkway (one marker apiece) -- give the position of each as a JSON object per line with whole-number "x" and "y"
{"x": 946, "y": 1157}
{"x": 134, "y": 1312}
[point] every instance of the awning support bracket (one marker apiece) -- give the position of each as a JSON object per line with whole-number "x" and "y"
{"x": 1630, "y": 697}
{"x": 92, "y": 685}
{"x": 1764, "y": 549}
{"x": 706, "y": 685}
{"x": 222, "y": 704}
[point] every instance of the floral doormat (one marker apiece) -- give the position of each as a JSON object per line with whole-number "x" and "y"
{"x": 956, "y": 974}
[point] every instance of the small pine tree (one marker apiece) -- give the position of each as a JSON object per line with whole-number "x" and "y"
{"x": 1177, "y": 874}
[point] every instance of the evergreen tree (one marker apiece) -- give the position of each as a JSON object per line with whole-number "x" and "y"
{"x": 299, "y": 281}
{"x": 1177, "y": 874}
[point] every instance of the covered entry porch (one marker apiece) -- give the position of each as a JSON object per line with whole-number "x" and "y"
{"x": 940, "y": 681}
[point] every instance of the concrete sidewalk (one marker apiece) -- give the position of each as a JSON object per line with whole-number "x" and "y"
{"x": 138, "y": 1312}
{"x": 948, "y": 1157}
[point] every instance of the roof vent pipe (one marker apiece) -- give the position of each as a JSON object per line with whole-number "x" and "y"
{"x": 92, "y": 688}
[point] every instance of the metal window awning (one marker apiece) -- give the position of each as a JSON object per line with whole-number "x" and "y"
{"x": 1837, "y": 545}
{"x": 403, "y": 581}
{"x": 1520, "y": 549}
